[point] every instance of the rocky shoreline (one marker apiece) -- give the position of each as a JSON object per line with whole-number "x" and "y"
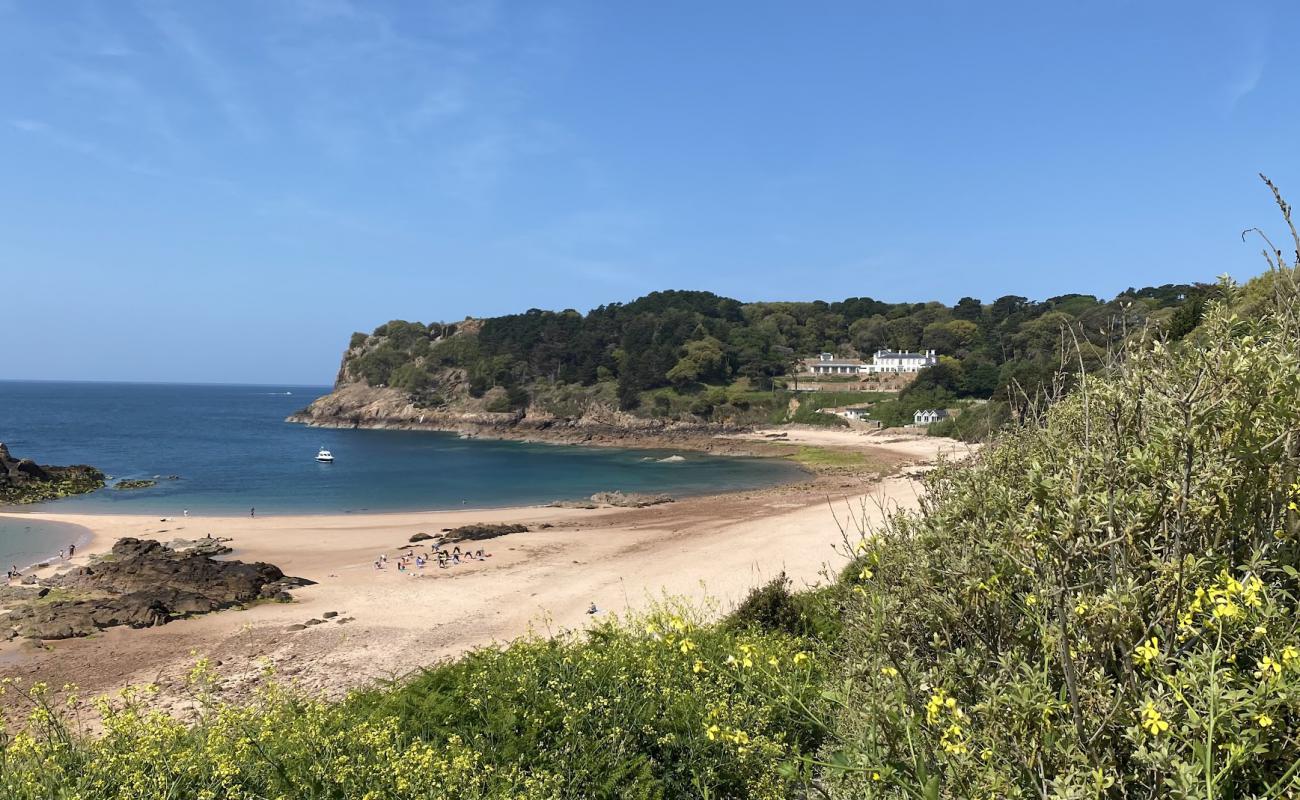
{"x": 24, "y": 481}
{"x": 359, "y": 406}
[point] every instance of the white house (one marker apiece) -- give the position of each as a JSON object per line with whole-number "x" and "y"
{"x": 927, "y": 415}
{"x": 828, "y": 364}
{"x": 856, "y": 413}
{"x": 892, "y": 361}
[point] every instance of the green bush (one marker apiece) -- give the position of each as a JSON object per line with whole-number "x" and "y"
{"x": 1105, "y": 605}
{"x": 975, "y": 423}
{"x": 660, "y": 707}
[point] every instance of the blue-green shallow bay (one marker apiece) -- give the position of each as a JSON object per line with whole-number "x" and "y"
{"x": 233, "y": 451}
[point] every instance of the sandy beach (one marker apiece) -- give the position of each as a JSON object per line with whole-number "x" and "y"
{"x": 705, "y": 549}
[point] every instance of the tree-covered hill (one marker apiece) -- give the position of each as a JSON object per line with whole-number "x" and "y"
{"x": 688, "y": 341}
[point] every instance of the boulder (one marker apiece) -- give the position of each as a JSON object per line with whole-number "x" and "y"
{"x": 420, "y": 537}
{"x": 469, "y": 533}
{"x": 143, "y": 583}
{"x": 625, "y": 500}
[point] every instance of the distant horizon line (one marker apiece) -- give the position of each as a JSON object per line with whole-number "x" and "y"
{"x": 165, "y": 383}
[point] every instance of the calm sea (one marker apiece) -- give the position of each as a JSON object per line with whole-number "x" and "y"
{"x": 232, "y": 451}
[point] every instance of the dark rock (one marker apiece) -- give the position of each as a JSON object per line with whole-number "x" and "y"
{"x": 296, "y": 627}
{"x": 469, "y": 533}
{"x": 135, "y": 483}
{"x": 330, "y": 614}
{"x": 144, "y": 583}
{"x": 420, "y": 537}
{"x": 42, "y": 591}
{"x": 314, "y": 621}
{"x": 25, "y": 481}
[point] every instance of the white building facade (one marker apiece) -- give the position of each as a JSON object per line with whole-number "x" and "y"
{"x": 892, "y": 361}
{"x": 928, "y": 415}
{"x": 828, "y": 364}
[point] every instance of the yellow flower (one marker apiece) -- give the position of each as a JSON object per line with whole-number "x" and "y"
{"x": 699, "y": 667}
{"x": 1289, "y": 654}
{"x": 1147, "y": 651}
{"x": 875, "y": 776}
{"x": 712, "y": 732}
{"x": 686, "y": 646}
{"x": 1031, "y": 599}
{"x": 800, "y": 657}
{"x": 1264, "y": 720}
{"x": 1152, "y": 720}
{"x": 889, "y": 672}
{"x": 865, "y": 574}
{"x": 938, "y": 703}
{"x": 1268, "y": 669}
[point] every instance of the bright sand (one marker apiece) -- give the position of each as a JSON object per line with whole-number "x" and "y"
{"x": 712, "y": 549}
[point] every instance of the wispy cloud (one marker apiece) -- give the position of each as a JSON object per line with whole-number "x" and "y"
{"x": 220, "y": 84}
{"x": 82, "y": 146}
{"x": 1252, "y": 62}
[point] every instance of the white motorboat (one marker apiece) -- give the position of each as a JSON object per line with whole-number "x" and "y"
{"x": 325, "y": 456}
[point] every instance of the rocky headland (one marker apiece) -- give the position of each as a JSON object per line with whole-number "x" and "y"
{"x": 139, "y": 583}
{"x": 358, "y": 405}
{"x": 25, "y": 481}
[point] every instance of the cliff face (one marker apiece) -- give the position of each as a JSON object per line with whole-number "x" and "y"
{"x": 357, "y": 405}
{"x": 25, "y": 481}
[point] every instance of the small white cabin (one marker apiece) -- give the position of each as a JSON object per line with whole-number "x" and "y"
{"x": 928, "y": 415}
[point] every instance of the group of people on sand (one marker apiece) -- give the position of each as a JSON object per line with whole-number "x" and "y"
{"x": 445, "y": 558}
{"x": 64, "y": 554}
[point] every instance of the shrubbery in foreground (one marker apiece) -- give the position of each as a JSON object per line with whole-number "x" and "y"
{"x": 1105, "y": 605}
{"x": 659, "y": 707}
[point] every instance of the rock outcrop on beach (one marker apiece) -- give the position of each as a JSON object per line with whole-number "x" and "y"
{"x": 141, "y": 583}
{"x": 616, "y": 499}
{"x": 482, "y": 530}
{"x": 25, "y": 481}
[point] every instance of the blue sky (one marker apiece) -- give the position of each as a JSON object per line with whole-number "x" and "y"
{"x": 200, "y": 191}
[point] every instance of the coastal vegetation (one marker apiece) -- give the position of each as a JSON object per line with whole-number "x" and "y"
{"x": 687, "y": 355}
{"x": 24, "y": 481}
{"x": 1102, "y": 604}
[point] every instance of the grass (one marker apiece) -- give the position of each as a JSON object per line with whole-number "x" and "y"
{"x": 827, "y": 458}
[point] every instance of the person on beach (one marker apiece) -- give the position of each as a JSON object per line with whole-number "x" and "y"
{"x": 591, "y": 609}
{"x": 72, "y": 548}
{"x": 252, "y": 512}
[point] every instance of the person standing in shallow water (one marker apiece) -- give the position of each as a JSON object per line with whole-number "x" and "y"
{"x": 252, "y": 512}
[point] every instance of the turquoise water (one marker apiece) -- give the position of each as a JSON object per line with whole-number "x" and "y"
{"x": 232, "y": 451}
{"x": 24, "y": 541}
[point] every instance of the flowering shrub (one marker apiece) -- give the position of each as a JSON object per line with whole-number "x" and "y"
{"x": 656, "y": 707}
{"x": 1105, "y": 605}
